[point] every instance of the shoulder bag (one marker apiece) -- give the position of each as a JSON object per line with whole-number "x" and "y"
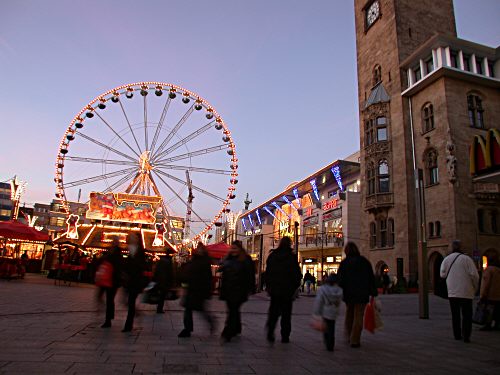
{"x": 442, "y": 287}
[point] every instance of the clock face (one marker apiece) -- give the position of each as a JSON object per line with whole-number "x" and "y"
{"x": 372, "y": 13}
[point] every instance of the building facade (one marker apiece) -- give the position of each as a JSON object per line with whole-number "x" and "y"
{"x": 424, "y": 95}
{"x": 320, "y": 213}
{"x": 6, "y": 205}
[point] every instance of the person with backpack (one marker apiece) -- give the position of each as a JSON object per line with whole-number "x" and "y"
{"x": 108, "y": 278}
{"x": 462, "y": 280}
{"x": 283, "y": 278}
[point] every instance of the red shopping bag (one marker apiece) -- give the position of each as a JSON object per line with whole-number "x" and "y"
{"x": 369, "y": 318}
{"x": 104, "y": 275}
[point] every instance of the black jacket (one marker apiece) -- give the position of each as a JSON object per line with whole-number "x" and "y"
{"x": 197, "y": 273}
{"x": 133, "y": 272}
{"x": 163, "y": 274}
{"x": 238, "y": 278}
{"x": 282, "y": 273}
{"x": 356, "y": 279}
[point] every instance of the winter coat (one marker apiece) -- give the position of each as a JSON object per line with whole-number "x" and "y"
{"x": 163, "y": 274}
{"x": 490, "y": 284}
{"x": 197, "y": 274}
{"x": 463, "y": 279}
{"x": 133, "y": 272}
{"x": 327, "y": 301}
{"x": 356, "y": 279}
{"x": 282, "y": 273}
{"x": 115, "y": 257}
{"x": 238, "y": 278}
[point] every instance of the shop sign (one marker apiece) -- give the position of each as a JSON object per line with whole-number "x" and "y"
{"x": 338, "y": 258}
{"x": 330, "y": 205}
{"x": 334, "y": 214}
{"x": 310, "y": 260}
{"x": 329, "y": 259}
{"x": 248, "y": 233}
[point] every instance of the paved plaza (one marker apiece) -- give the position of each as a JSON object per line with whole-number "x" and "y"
{"x": 47, "y": 328}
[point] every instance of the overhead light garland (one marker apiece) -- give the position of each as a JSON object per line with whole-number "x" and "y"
{"x": 280, "y": 209}
{"x": 338, "y": 177}
{"x": 315, "y": 188}
{"x": 285, "y": 198}
{"x": 258, "y": 216}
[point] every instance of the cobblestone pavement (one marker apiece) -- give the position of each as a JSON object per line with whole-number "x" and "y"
{"x": 47, "y": 328}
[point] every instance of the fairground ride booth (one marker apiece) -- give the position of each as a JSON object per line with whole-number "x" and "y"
{"x": 16, "y": 239}
{"x": 114, "y": 215}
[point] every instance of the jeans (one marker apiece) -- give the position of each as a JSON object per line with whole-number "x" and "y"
{"x": 461, "y": 327}
{"x": 132, "y": 296}
{"x": 280, "y": 306}
{"x": 329, "y": 334}
{"x": 354, "y": 321}
{"x": 233, "y": 321}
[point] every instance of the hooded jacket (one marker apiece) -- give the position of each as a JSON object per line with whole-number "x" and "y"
{"x": 327, "y": 301}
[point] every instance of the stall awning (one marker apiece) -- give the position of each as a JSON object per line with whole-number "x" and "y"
{"x": 218, "y": 250}
{"x": 14, "y": 230}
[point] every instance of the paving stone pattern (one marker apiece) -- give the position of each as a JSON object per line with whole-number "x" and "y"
{"x": 52, "y": 329}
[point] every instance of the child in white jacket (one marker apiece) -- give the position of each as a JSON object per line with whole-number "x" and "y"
{"x": 326, "y": 305}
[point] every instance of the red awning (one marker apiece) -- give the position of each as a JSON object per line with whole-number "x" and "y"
{"x": 218, "y": 250}
{"x": 14, "y": 230}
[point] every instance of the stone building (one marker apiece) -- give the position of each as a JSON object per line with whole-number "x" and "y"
{"x": 424, "y": 97}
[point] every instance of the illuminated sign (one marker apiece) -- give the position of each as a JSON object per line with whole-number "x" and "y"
{"x": 109, "y": 236}
{"x": 331, "y": 204}
{"x": 309, "y": 212}
{"x": 131, "y": 208}
{"x": 159, "y": 240}
{"x": 329, "y": 259}
{"x": 310, "y": 260}
{"x": 72, "y": 232}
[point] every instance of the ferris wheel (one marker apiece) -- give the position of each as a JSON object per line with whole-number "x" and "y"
{"x": 151, "y": 139}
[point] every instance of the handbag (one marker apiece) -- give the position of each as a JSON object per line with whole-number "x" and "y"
{"x": 318, "y": 324}
{"x": 441, "y": 286}
{"x": 369, "y": 317}
{"x": 484, "y": 313}
{"x": 104, "y": 275}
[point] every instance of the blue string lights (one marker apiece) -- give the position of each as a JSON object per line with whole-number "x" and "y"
{"x": 270, "y": 212}
{"x": 244, "y": 223}
{"x": 296, "y": 195}
{"x": 280, "y": 209}
{"x": 338, "y": 177}
{"x": 315, "y": 189}
{"x": 285, "y": 198}
{"x": 258, "y": 216}
{"x": 250, "y": 219}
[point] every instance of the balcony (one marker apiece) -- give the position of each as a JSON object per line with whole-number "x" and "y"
{"x": 310, "y": 242}
{"x": 379, "y": 200}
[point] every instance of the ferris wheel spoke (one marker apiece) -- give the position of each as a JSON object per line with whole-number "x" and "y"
{"x": 109, "y": 148}
{"x": 120, "y": 182}
{"x": 180, "y": 198}
{"x": 89, "y": 180}
{"x": 185, "y": 140}
{"x": 160, "y": 123}
{"x": 211, "y": 195}
{"x": 193, "y": 169}
{"x": 130, "y": 126}
{"x": 145, "y": 123}
{"x": 192, "y": 154}
{"x": 175, "y": 129}
{"x": 118, "y": 135}
{"x": 100, "y": 161}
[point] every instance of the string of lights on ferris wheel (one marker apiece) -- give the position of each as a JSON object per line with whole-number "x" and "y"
{"x": 156, "y": 155}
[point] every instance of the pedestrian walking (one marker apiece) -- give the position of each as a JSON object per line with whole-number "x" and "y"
{"x": 462, "y": 281}
{"x": 197, "y": 274}
{"x": 134, "y": 279}
{"x": 307, "y": 281}
{"x": 283, "y": 278}
{"x": 238, "y": 281}
{"x": 357, "y": 281}
{"x": 163, "y": 277}
{"x": 111, "y": 263}
{"x": 490, "y": 291}
{"x": 326, "y": 306}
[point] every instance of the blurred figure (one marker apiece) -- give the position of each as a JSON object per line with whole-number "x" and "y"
{"x": 357, "y": 280}
{"x": 308, "y": 278}
{"x": 163, "y": 277}
{"x": 386, "y": 281}
{"x": 115, "y": 259}
{"x": 197, "y": 274}
{"x": 134, "y": 279}
{"x": 462, "y": 281}
{"x": 238, "y": 281}
{"x": 283, "y": 278}
{"x": 327, "y": 305}
{"x": 490, "y": 290}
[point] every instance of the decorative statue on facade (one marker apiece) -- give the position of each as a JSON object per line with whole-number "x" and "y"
{"x": 451, "y": 161}
{"x": 247, "y": 202}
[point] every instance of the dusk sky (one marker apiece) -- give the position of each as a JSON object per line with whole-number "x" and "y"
{"x": 281, "y": 73}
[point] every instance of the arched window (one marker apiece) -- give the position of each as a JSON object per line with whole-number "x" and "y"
{"x": 431, "y": 166}
{"x": 427, "y": 117}
{"x": 383, "y": 176}
{"x": 475, "y": 108}
{"x": 370, "y": 177}
{"x": 377, "y": 74}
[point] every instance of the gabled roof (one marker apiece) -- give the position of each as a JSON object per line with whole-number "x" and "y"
{"x": 378, "y": 95}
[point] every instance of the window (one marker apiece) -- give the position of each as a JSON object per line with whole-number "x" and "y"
{"x": 418, "y": 73}
{"x": 479, "y": 65}
{"x": 438, "y": 228}
{"x": 369, "y": 133}
{"x": 370, "y": 176}
{"x": 431, "y": 166}
{"x": 431, "y": 229}
{"x": 383, "y": 176}
{"x": 491, "y": 69}
{"x": 467, "y": 63}
{"x": 377, "y": 74}
{"x": 428, "y": 117}
{"x": 373, "y": 235}
{"x": 480, "y": 220}
{"x": 383, "y": 232}
{"x": 392, "y": 239}
{"x": 475, "y": 109}
{"x": 332, "y": 193}
{"x": 381, "y": 129}
{"x": 429, "y": 65}
{"x": 454, "y": 59}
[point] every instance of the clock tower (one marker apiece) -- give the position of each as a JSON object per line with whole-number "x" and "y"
{"x": 387, "y": 32}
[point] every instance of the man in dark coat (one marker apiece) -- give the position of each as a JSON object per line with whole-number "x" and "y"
{"x": 134, "y": 279}
{"x": 238, "y": 281}
{"x": 357, "y": 280}
{"x": 115, "y": 258}
{"x": 163, "y": 277}
{"x": 283, "y": 278}
{"x": 197, "y": 274}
